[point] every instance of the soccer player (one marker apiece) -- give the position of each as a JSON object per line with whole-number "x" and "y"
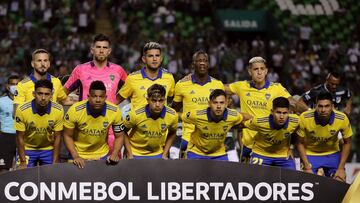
{"x": 38, "y": 125}
{"x": 8, "y": 133}
{"x": 153, "y": 127}
{"x": 318, "y": 142}
{"x": 211, "y": 127}
{"x": 112, "y": 75}
{"x": 41, "y": 64}
{"x": 256, "y": 98}
{"x": 191, "y": 93}
{"x": 138, "y": 82}
{"x": 272, "y": 141}
{"x": 341, "y": 96}
{"x": 87, "y": 124}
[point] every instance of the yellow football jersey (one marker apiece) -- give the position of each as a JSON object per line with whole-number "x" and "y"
{"x": 91, "y": 133}
{"x": 194, "y": 96}
{"x": 209, "y": 136}
{"x": 26, "y": 87}
{"x": 269, "y": 141}
{"x": 39, "y": 129}
{"x": 137, "y": 83}
{"x": 323, "y": 140}
{"x": 147, "y": 135}
{"x": 256, "y": 102}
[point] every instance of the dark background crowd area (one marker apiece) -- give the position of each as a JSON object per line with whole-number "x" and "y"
{"x": 300, "y": 50}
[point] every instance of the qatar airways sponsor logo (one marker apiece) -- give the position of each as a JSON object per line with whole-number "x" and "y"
{"x": 167, "y": 191}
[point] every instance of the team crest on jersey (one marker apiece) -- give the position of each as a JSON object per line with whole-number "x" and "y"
{"x": 163, "y": 126}
{"x": 51, "y": 123}
{"x": 192, "y": 92}
{"x": 225, "y": 128}
{"x": 112, "y": 77}
{"x": 333, "y": 132}
{"x": 105, "y": 124}
{"x": 267, "y": 96}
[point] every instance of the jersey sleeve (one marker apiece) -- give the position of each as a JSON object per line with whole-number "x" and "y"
{"x": 189, "y": 117}
{"x": 282, "y": 91}
{"x": 118, "y": 124}
{"x": 301, "y": 129}
{"x": 74, "y": 80}
{"x": 59, "y": 124}
{"x": 61, "y": 95}
{"x": 239, "y": 119}
{"x": 172, "y": 86}
{"x": 126, "y": 91}
{"x": 178, "y": 97}
{"x": 130, "y": 120}
{"x": 251, "y": 124}
{"x": 70, "y": 118}
{"x": 19, "y": 123}
{"x": 174, "y": 123}
{"x": 19, "y": 97}
{"x": 309, "y": 96}
{"x": 123, "y": 76}
{"x": 234, "y": 88}
{"x": 347, "y": 130}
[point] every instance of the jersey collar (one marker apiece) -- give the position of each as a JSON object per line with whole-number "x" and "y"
{"x": 143, "y": 73}
{"x": 148, "y": 113}
{"x": 35, "y": 110}
{"x": 32, "y": 77}
{"x": 193, "y": 79}
{"x": 93, "y": 64}
{"x": 272, "y": 124}
{"x": 331, "y": 120}
{"x": 267, "y": 84}
{"x": 103, "y": 112}
{"x": 208, "y": 113}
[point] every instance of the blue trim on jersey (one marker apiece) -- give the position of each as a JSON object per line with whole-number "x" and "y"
{"x": 331, "y": 120}
{"x": 287, "y": 163}
{"x": 148, "y": 113}
{"x": 159, "y": 156}
{"x": 273, "y": 126}
{"x": 143, "y": 73}
{"x": 36, "y": 111}
{"x": 267, "y": 84}
{"x": 245, "y": 151}
{"x": 192, "y": 155}
{"x": 193, "y": 79}
{"x": 32, "y": 77}
{"x": 329, "y": 163}
{"x": 210, "y": 119}
{"x": 103, "y": 111}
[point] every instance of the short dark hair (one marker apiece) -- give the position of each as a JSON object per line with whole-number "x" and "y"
{"x": 196, "y": 54}
{"x": 12, "y": 77}
{"x": 97, "y": 85}
{"x": 215, "y": 93}
{"x": 324, "y": 96}
{"x": 44, "y": 83}
{"x": 101, "y": 37}
{"x": 335, "y": 74}
{"x": 151, "y": 45}
{"x": 280, "y": 102}
{"x": 156, "y": 89}
{"x": 39, "y": 51}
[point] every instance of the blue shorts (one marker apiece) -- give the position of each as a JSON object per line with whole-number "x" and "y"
{"x": 183, "y": 145}
{"x": 287, "y": 163}
{"x": 329, "y": 163}
{"x": 192, "y": 155}
{"x": 245, "y": 151}
{"x": 159, "y": 156}
{"x": 33, "y": 157}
